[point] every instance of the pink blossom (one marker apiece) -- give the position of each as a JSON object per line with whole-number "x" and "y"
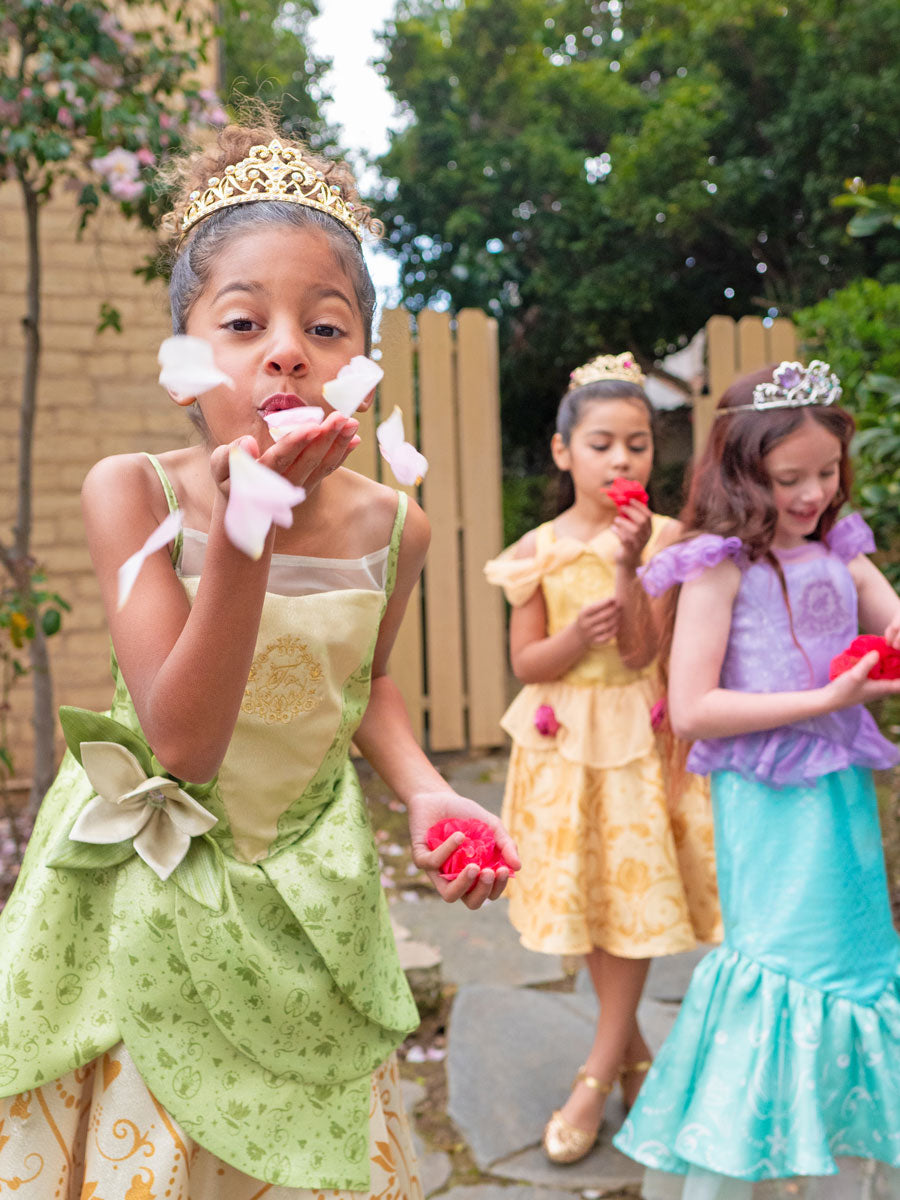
{"x": 545, "y": 721}
{"x": 146, "y": 157}
{"x": 65, "y": 118}
{"x": 658, "y": 714}
{"x": 10, "y": 112}
{"x": 118, "y": 164}
{"x": 25, "y": 93}
{"x": 165, "y": 121}
{"x": 126, "y": 189}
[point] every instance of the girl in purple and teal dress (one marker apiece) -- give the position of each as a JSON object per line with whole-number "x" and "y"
{"x": 785, "y": 1058}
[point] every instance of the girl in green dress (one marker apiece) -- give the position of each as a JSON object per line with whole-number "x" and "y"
{"x": 208, "y": 1010}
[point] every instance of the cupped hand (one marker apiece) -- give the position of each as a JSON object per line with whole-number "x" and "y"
{"x": 853, "y": 686}
{"x": 304, "y": 456}
{"x": 633, "y": 525}
{"x": 471, "y": 886}
{"x": 598, "y": 623}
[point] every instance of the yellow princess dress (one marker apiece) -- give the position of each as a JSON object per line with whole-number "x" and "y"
{"x": 607, "y": 860}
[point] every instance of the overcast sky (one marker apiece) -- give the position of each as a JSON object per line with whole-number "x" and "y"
{"x": 345, "y": 33}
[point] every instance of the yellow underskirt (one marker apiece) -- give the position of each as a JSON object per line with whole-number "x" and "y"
{"x": 98, "y": 1133}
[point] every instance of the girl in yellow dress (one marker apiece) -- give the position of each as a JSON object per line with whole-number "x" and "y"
{"x": 611, "y": 869}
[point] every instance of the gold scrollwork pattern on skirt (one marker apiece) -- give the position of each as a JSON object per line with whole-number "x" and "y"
{"x": 98, "y": 1133}
{"x": 605, "y": 861}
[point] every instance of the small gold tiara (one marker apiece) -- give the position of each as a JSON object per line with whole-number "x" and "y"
{"x": 272, "y": 172}
{"x": 607, "y": 366}
{"x": 792, "y": 386}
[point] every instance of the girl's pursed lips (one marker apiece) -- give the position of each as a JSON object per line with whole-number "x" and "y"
{"x": 280, "y": 401}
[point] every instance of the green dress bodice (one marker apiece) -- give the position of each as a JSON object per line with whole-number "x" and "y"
{"x": 258, "y": 986}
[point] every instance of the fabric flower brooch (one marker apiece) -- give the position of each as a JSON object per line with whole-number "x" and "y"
{"x": 623, "y": 491}
{"x": 887, "y": 667}
{"x": 545, "y": 721}
{"x": 478, "y": 847}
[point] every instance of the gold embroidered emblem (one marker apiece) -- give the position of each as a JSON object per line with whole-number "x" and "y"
{"x": 284, "y": 681}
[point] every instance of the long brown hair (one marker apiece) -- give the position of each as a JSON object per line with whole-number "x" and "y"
{"x": 731, "y": 495}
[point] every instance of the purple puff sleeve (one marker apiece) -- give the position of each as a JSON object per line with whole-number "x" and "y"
{"x": 850, "y": 536}
{"x": 687, "y": 560}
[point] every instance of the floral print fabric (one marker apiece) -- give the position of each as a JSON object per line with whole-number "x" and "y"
{"x": 98, "y": 1133}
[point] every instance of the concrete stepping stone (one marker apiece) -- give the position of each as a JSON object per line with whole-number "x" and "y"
{"x": 512, "y": 1056}
{"x": 475, "y": 947}
{"x": 492, "y": 1191}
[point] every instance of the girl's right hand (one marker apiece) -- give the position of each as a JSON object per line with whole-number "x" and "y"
{"x": 854, "y": 686}
{"x": 598, "y": 623}
{"x": 305, "y": 456}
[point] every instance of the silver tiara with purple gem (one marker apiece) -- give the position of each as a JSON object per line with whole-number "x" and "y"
{"x": 793, "y": 386}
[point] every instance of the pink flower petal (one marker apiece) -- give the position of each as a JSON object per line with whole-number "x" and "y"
{"x": 286, "y": 419}
{"x": 406, "y": 462}
{"x": 188, "y": 367}
{"x": 257, "y": 499}
{"x": 353, "y": 383}
{"x": 161, "y": 536}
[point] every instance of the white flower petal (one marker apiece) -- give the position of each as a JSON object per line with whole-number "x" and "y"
{"x": 256, "y": 498}
{"x": 112, "y": 770}
{"x": 101, "y": 822}
{"x": 286, "y": 419}
{"x": 353, "y": 383}
{"x": 161, "y": 845}
{"x": 188, "y": 367}
{"x": 188, "y": 815}
{"x": 407, "y": 463}
{"x": 390, "y": 432}
{"x": 161, "y": 536}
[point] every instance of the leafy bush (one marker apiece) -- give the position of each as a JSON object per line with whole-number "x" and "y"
{"x": 855, "y": 330}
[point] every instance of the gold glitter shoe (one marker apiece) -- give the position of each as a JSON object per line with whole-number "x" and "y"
{"x": 635, "y": 1068}
{"x": 564, "y": 1142}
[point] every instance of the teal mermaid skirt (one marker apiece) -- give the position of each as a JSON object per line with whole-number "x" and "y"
{"x": 786, "y": 1052}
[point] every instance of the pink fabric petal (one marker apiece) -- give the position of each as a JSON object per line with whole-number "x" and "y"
{"x": 353, "y": 383}
{"x": 406, "y": 462}
{"x": 257, "y": 497}
{"x": 130, "y": 569}
{"x": 286, "y": 419}
{"x": 188, "y": 367}
{"x": 161, "y": 845}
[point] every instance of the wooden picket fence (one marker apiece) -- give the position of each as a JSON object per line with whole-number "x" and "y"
{"x": 449, "y": 660}
{"x": 733, "y": 348}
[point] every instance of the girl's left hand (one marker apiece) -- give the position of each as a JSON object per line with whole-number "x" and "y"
{"x": 633, "y": 526}
{"x": 472, "y": 886}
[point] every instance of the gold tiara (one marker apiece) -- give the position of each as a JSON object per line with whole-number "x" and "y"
{"x": 607, "y": 366}
{"x": 272, "y": 172}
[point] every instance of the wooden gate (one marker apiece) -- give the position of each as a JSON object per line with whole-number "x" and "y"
{"x": 733, "y": 348}
{"x": 450, "y": 658}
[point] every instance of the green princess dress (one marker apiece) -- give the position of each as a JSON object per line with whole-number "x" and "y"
{"x": 233, "y": 1022}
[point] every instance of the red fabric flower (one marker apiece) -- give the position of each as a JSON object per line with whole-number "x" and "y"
{"x": 545, "y": 721}
{"x": 479, "y": 846}
{"x": 623, "y": 491}
{"x": 887, "y": 667}
{"x": 658, "y": 714}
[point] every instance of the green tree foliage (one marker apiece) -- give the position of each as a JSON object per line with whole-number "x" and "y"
{"x": 263, "y": 49}
{"x": 597, "y": 174}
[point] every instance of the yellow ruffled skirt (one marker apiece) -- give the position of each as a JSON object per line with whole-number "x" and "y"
{"x": 605, "y": 862}
{"x": 98, "y": 1133}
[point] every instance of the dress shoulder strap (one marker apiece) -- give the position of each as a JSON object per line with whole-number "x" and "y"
{"x": 394, "y": 547}
{"x": 171, "y": 500}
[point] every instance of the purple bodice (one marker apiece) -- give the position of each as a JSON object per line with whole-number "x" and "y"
{"x": 775, "y": 649}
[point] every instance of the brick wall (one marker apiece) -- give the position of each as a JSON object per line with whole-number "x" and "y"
{"x": 97, "y": 395}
